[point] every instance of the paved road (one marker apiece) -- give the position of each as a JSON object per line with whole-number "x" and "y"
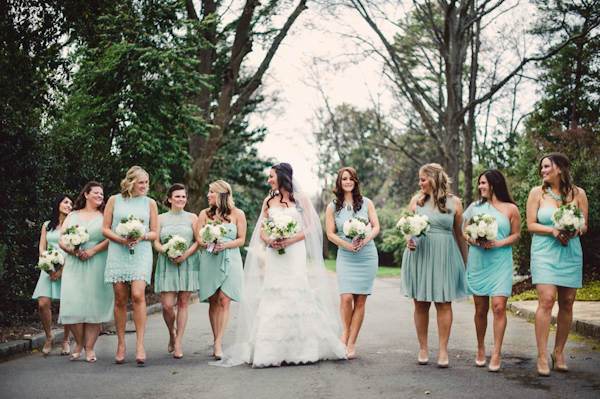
{"x": 386, "y": 365}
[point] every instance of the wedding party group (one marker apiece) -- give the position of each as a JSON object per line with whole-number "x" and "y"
{"x": 94, "y": 255}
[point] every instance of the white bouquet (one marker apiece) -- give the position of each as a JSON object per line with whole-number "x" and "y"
{"x": 174, "y": 246}
{"x": 413, "y": 225}
{"x": 50, "y": 258}
{"x": 132, "y": 228}
{"x": 357, "y": 228}
{"x": 482, "y": 228}
{"x": 280, "y": 226}
{"x": 568, "y": 218}
{"x": 212, "y": 232}
{"x": 75, "y": 236}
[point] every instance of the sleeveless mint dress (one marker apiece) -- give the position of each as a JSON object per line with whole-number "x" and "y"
{"x": 490, "y": 273}
{"x": 121, "y": 266}
{"x": 551, "y": 263}
{"x": 225, "y": 270}
{"x": 45, "y": 287}
{"x": 355, "y": 270}
{"x": 168, "y": 276}
{"x": 435, "y": 271}
{"x": 84, "y": 297}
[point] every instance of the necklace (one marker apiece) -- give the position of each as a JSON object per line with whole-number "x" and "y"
{"x": 556, "y": 197}
{"x": 348, "y": 206}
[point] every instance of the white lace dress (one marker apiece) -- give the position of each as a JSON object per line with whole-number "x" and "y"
{"x": 289, "y": 326}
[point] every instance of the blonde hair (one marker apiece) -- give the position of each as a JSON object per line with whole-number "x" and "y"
{"x": 133, "y": 175}
{"x": 439, "y": 186}
{"x": 225, "y": 203}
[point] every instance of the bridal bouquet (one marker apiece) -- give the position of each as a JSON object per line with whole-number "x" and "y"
{"x": 356, "y": 228}
{"x": 174, "y": 246}
{"x": 49, "y": 259}
{"x": 212, "y": 232}
{"x": 568, "y": 218}
{"x": 75, "y": 236}
{"x": 280, "y": 226}
{"x": 132, "y": 228}
{"x": 413, "y": 225}
{"x": 482, "y": 228}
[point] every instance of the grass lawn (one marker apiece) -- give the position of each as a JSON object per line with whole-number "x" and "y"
{"x": 382, "y": 271}
{"x": 589, "y": 292}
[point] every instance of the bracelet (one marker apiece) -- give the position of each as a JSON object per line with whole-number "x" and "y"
{"x": 268, "y": 244}
{"x": 146, "y": 237}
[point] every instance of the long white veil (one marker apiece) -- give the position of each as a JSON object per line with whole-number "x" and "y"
{"x": 239, "y": 352}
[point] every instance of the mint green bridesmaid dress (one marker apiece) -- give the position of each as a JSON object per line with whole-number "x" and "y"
{"x": 45, "y": 287}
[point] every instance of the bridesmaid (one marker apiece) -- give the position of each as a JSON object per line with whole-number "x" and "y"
{"x": 556, "y": 256}
{"x": 170, "y": 280}
{"x": 47, "y": 288}
{"x": 122, "y": 268}
{"x": 86, "y": 301}
{"x": 221, "y": 276}
{"x": 490, "y": 273}
{"x": 356, "y": 263}
{"x": 435, "y": 270}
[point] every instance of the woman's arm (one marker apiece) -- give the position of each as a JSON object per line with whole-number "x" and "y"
{"x": 152, "y": 235}
{"x": 199, "y": 225}
{"x": 44, "y": 240}
{"x": 412, "y": 207}
{"x": 157, "y": 244}
{"x": 374, "y": 220}
{"x": 85, "y": 254}
{"x": 331, "y": 230}
{"x": 63, "y": 230}
{"x": 515, "y": 229}
{"x": 458, "y": 222}
{"x": 107, "y": 223}
{"x": 582, "y": 202}
{"x": 533, "y": 226}
{"x": 241, "y": 230}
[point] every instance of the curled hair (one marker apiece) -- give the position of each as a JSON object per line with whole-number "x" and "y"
{"x": 566, "y": 187}
{"x": 284, "y": 173}
{"x": 80, "y": 201}
{"x": 133, "y": 175}
{"x": 338, "y": 191}
{"x": 439, "y": 186}
{"x": 224, "y": 201}
{"x": 498, "y": 186}
{"x": 170, "y": 191}
{"x": 55, "y": 214}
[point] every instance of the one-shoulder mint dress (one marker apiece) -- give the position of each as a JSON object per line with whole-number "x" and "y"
{"x": 225, "y": 270}
{"x": 551, "y": 263}
{"x": 168, "y": 276}
{"x": 84, "y": 296}
{"x": 121, "y": 266}
{"x": 490, "y": 273}
{"x": 355, "y": 270}
{"x": 435, "y": 271}
{"x": 45, "y": 287}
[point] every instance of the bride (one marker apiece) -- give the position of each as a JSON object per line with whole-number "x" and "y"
{"x": 287, "y": 315}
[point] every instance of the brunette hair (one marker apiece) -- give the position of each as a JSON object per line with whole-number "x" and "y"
{"x": 173, "y": 188}
{"x": 567, "y": 189}
{"x": 440, "y": 186}
{"x": 80, "y": 201}
{"x": 498, "y": 186}
{"x": 357, "y": 199}
{"x": 133, "y": 174}
{"x": 284, "y": 173}
{"x": 55, "y": 214}
{"x": 225, "y": 203}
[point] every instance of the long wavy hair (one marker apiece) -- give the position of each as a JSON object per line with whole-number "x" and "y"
{"x": 567, "y": 189}
{"x": 439, "y": 186}
{"x": 55, "y": 214}
{"x": 80, "y": 201}
{"x": 498, "y": 186}
{"x": 170, "y": 191}
{"x": 225, "y": 203}
{"x": 338, "y": 191}
{"x": 133, "y": 174}
{"x": 284, "y": 173}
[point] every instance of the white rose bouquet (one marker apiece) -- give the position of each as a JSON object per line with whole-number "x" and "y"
{"x": 280, "y": 226}
{"x": 132, "y": 228}
{"x": 413, "y": 225}
{"x": 212, "y": 232}
{"x": 356, "y": 228}
{"x": 174, "y": 246}
{"x": 49, "y": 259}
{"x": 75, "y": 236}
{"x": 482, "y": 228}
{"x": 568, "y": 218}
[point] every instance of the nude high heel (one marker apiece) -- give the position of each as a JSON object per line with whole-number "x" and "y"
{"x": 560, "y": 368}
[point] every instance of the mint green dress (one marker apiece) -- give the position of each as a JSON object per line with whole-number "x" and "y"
{"x": 225, "y": 270}
{"x": 45, "y": 287}
{"x": 168, "y": 276}
{"x": 84, "y": 296}
{"x": 121, "y": 266}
